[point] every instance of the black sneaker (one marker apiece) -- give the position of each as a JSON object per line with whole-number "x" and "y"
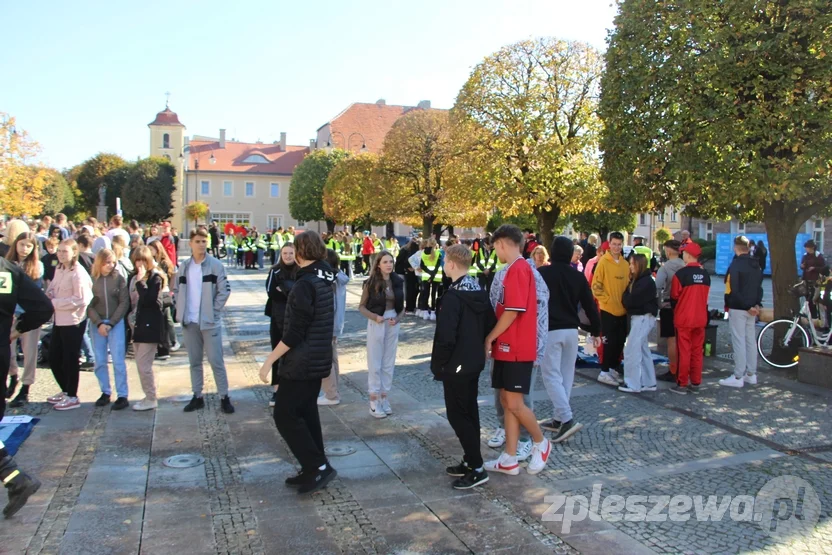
{"x": 87, "y": 365}
{"x": 19, "y": 401}
{"x": 318, "y": 480}
{"x": 551, "y": 425}
{"x": 471, "y": 480}
{"x": 21, "y": 488}
{"x": 12, "y": 386}
{"x": 694, "y": 389}
{"x": 459, "y": 470}
{"x": 195, "y": 404}
{"x": 566, "y": 430}
{"x": 120, "y": 404}
{"x": 667, "y": 377}
{"x": 103, "y": 401}
{"x": 298, "y": 480}
{"x": 227, "y": 407}
{"x": 161, "y": 356}
{"x": 273, "y": 400}
{"x": 679, "y": 390}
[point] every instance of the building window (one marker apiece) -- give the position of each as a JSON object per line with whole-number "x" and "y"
{"x": 672, "y": 213}
{"x": 274, "y": 190}
{"x": 642, "y": 219}
{"x": 301, "y": 223}
{"x": 227, "y": 188}
{"x": 165, "y": 141}
{"x": 249, "y": 188}
{"x": 256, "y": 159}
{"x": 205, "y": 188}
{"x": 709, "y": 231}
{"x": 273, "y": 221}
{"x": 236, "y": 218}
{"x": 741, "y": 228}
{"x": 817, "y": 236}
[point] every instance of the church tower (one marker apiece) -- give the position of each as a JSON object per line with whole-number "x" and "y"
{"x": 167, "y": 140}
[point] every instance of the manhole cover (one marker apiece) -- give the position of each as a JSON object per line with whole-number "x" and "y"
{"x": 184, "y": 461}
{"x": 339, "y": 450}
{"x": 726, "y": 356}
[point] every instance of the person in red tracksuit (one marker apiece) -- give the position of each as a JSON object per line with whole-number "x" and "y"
{"x": 689, "y": 297}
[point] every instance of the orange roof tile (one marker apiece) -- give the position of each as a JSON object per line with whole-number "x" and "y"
{"x": 372, "y": 121}
{"x": 166, "y": 117}
{"x": 230, "y": 158}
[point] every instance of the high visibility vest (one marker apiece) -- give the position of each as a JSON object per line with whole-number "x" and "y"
{"x": 646, "y": 251}
{"x": 473, "y": 271}
{"x": 494, "y": 263}
{"x": 377, "y": 246}
{"x": 392, "y": 246}
{"x": 261, "y": 242}
{"x": 431, "y": 262}
{"x": 209, "y": 241}
{"x": 230, "y": 244}
{"x": 331, "y": 244}
{"x": 347, "y": 252}
{"x": 245, "y": 245}
{"x": 288, "y": 238}
{"x": 276, "y": 242}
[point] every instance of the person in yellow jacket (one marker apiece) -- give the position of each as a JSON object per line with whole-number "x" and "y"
{"x": 612, "y": 276}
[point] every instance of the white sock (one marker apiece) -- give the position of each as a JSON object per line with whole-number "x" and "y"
{"x": 322, "y": 467}
{"x": 511, "y": 459}
{"x": 541, "y": 444}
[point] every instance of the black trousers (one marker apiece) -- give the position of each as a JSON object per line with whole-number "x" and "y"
{"x": 411, "y": 290}
{"x": 358, "y": 265}
{"x": 275, "y": 335}
{"x": 296, "y": 416}
{"x": 345, "y": 266}
{"x": 64, "y": 352}
{"x": 464, "y": 415}
{"x": 613, "y": 335}
{"x": 427, "y": 301}
{"x": 367, "y": 262}
{"x": 5, "y": 359}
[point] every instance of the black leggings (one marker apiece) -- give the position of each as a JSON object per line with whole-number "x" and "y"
{"x": 614, "y": 335}
{"x": 411, "y": 291}
{"x": 297, "y": 420}
{"x": 64, "y": 352}
{"x": 427, "y": 301}
{"x": 464, "y": 415}
{"x": 275, "y": 334}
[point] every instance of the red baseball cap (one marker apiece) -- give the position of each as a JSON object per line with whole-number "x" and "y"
{"x": 692, "y": 249}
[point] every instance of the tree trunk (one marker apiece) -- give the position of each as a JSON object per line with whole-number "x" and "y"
{"x": 437, "y": 232}
{"x": 390, "y": 230}
{"x": 427, "y": 226}
{"x": 781, "y": 228}
{"x": 330, "y": 226}
{"x": 546, "y": 220}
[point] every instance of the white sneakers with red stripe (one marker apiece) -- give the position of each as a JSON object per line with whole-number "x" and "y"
{"x": 540, "y": 456}
{"x": 505, "y": 464}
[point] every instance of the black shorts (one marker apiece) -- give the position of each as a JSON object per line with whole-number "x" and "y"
{"x": 512, "y": 376}
{"x": 666, "y": 326}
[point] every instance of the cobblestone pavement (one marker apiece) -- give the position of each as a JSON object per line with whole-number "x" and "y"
{"x": 106, "y": 489}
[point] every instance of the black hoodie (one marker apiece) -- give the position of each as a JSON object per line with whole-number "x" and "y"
{"x": 568, "y": 289}
{"x": 640, "y": 298}
{"x": 464, "y": 318}
{"x": 744, "y": 283}
{"x": 309, "y": 324}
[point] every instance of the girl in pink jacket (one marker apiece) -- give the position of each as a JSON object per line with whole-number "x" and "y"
{"x": 71, "y": 293}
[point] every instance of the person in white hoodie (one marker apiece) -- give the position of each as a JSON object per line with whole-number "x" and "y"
{"x": 329, "y": 385}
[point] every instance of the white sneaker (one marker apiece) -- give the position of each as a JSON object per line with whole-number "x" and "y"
{"x": 607, "y": 379}
{"x": 733, "y": 381}
{"x": 68, "y": 403}
{"x": 57, "y": 398}
{"x": 498, "y": 439}
{"x": 175, "y": 347}
{"x": 376, "y": 410}
{"x": 616, "y": 375}
{"x": 432, "y": 316}
{"x": 418, "y": 314}
{"x": 385, "y": 406}
{"x": 324, "y": 402}
{"x": 540, "y": 456}
{"x": 524, "y": 450}
{"x": 145, "y": 404}
{"x": 626, "y": 389}
{"x": 750, "y": 379}
{"x": 505, "y": 464}
{"x": 649, "y": 388}
{"x": 425, "y": 315}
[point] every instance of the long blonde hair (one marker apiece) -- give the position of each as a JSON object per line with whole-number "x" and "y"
{"x": 74, "y": 246}
{"x": 100, "y": 259}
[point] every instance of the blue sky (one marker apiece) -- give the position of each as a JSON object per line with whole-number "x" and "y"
{"x": 85, "y": 77}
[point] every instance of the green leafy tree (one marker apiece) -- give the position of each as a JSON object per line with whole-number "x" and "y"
{"x": 603, "y": 222}
{"x": 537, "y": 99}
{"x": 55, "y": 192}
{"x": 663, "y": 235}
{"x": 196, "y": 210}
{"x": 306, "y": 190}
{"x": 724, "y": 107}
{"x": 102, "y": 170}
{"x": 354, "y": 192}
{"x": 148, "y": 191}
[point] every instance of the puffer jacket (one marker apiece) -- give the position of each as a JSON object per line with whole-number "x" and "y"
{"x": 149, "y": 315}
{"x": 309, "y": 324}
{"x": 640, "y": 299}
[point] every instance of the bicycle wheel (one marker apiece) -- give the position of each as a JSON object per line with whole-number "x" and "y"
{"x": 772, "y": 345}
{"x": 222, "y": 253}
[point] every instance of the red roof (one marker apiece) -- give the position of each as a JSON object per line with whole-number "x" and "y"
{"x": 166, "y": 117}
{"x": 371, "y": 121}
{"x": 230, "y": 158}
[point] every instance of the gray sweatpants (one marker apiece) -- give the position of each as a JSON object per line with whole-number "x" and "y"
{"x": 200, "y": 343}
{"x": 744, "y": 342}
{"x": 559, "y": 370}
{"x": 501, "y": 414}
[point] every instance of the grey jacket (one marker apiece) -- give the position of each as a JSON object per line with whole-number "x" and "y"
{"x": 110, "y": 300}
{"x": 215, "y": 292}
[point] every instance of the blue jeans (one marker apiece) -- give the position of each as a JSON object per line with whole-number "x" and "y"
{"x": 116, "y": 340}
{"x": 260, "y": 255}
{"x": 86, "y": 344}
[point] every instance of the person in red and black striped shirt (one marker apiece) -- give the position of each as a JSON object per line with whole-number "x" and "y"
{"x": 689, "y": 292}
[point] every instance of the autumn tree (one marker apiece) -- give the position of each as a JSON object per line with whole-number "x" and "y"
{"x": 724, "y": 107}
{"x": 196, "y": 210}
{"x": 427, "y": 163}
{"x": 102, "y": 170}
{"x": 148, "y": 191}
{"x": 538, "y": 101}
{"x": 22, "y": 181}
{"x": 354, "y": 192}
{"x": 603, "y": 222}
{"x": 306, "y": 190}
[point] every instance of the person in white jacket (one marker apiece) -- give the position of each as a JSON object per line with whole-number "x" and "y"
{"x": 415, "y": 262}
{"x": 329, "y": 385}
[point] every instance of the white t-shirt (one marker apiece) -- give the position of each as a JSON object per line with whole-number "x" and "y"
{"x": 102, "y": 242}
{"x": 194, "y": 293}
{"x": 119, "y": 231}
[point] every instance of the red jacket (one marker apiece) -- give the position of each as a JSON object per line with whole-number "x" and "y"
{"x": 689, "y": 292}
{"x": 167, "y": 242}
{"x": 367, "y": 247}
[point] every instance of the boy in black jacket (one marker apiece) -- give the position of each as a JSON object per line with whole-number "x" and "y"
{"x": 464, "y": 319}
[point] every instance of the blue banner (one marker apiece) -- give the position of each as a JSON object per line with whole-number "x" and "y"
{"x": 725, "y": 249}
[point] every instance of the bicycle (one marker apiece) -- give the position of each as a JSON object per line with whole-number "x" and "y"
{"x": 780, "y": 341}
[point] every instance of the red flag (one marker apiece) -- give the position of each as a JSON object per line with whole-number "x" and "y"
{"x": 230, "y": 228}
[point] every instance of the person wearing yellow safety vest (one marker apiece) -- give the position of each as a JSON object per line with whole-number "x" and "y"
{"x": 238, "y": 241}
{"x": 247, "y": 246}
{"x": 275, "y": 242}
{"x": 230, "y": 250}
{"x": 431, "y": 265}
{"x": 356, "y": 241}
{"x": 345, "y": 251}
{"x": 330, "y": 242}
{"x": 289, "y": 236}
{"x": 480, "y": 262}
{"x": 640, "y": 248}
{"x": 391, "y": 245}
{"x": 260, "y": 246}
